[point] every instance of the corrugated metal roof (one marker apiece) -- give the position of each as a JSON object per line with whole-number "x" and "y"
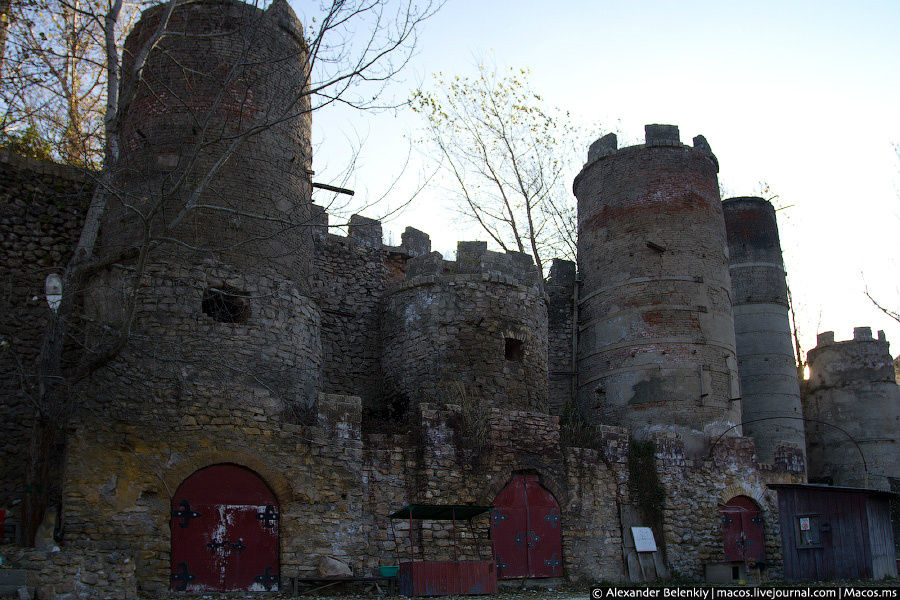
{"x": 829, "y": 488}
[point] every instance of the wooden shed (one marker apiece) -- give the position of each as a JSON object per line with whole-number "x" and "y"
{"x": 830, "y": 532}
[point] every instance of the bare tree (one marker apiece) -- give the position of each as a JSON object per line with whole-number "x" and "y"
{"x": 881, "y": 305}
{"x": 350, "y": 51}
{"x": 55, "y": 75}
{"x": 508, "y": 159}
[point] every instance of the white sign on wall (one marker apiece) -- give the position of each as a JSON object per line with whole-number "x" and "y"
{"x": 643, "y": 539}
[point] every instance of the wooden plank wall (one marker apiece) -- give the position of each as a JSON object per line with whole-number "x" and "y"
{"x": 881, "y": 537}
{"x": 845, "y": 550}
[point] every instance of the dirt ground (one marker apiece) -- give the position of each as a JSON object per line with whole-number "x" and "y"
{"x": 567, "y": 592}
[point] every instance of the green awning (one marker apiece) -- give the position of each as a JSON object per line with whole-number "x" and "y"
{"x": 440, "y": 512}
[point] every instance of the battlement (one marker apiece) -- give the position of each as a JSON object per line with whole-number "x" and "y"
{"x": 473, "y": 258}
{"x": 860, "y": 334}
{"x": 363, "y": 231}
{"x": 654, "y": 135}
{"x": 862, "y": 359}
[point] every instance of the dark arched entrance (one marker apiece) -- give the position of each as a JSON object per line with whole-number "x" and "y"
{"x": 742, "y": 526}
{"x": 526, "y": 530}
{"x": 224, "y": 532}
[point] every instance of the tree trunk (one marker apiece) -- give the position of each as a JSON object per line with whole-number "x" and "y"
{"x": 37, "y": 475}
{"x": 5, "y": 5}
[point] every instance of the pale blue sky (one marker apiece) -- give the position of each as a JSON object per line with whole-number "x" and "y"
{"x": 803, "y": 95}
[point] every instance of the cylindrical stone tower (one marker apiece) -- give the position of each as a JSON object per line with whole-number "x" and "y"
{"x": 656, "y": 335}
{"x": 218, "y": 121}
{"x": 852, "y": 407}
{"x": 214, "y": 167}
{"x": 470, "y": 330}
{"x": 769, "y": 383}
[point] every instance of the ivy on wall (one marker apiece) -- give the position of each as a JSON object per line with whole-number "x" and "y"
{"x": 644, "y": 486}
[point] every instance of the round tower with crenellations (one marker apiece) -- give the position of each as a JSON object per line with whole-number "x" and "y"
{"x": 470, "y": 329}
{"x": 852, "y": 407}
{"x": 656, "y": 334}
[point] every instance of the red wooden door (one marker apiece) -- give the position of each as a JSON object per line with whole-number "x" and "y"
{"x": 744, "y": 537}
{"x": 224, "y": 532}
{"x": 526, "y": 530}
{"x": 544, "y": 531}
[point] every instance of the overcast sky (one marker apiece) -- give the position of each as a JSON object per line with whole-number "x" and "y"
{"x": 802, "y": 95}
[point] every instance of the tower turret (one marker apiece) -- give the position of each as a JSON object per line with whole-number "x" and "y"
{"x": 852, "y": 407}
{"x": 656, "y": 335}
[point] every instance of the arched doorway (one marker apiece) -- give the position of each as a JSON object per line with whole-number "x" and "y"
{"x": 742, "y": 526}
{"x": 526, "y": 530}
{"x": 224, "y": 532}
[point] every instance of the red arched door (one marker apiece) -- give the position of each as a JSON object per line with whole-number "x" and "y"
{"x": 224, "y": 532}
{"x": 526, "y": 530}
{"x": 743, "y": 530}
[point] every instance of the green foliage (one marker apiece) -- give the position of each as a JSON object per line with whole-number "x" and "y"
{"x": 28, "y": 143}
{"x": 644, "y": 485}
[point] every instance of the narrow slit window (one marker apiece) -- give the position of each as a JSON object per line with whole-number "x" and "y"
{"x": 515, "y": 349}
{"x": 226, "y": 304}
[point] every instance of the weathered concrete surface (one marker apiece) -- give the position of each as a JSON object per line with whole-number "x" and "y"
{"x": 656, "y": 335}
{"x": 852, "y": 403}
{"x": 769, "y": 382}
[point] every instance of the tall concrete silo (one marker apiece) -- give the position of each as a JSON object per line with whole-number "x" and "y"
{"x": 769, "y": 382}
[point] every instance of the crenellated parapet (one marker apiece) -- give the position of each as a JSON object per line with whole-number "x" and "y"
{"x": 852, "y": 411}
{"x": 473, "y": 258}
{"x": 655, "y": 136}
{"x": 473, "y": 329}
{"x": 656, "y": 342}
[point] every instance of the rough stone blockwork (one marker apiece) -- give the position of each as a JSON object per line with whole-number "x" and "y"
{"x": 473, "y": 330}
{"x": 280, "y": 357}
{"x": 41, "y": 212}
{"x": 75, "y": 574}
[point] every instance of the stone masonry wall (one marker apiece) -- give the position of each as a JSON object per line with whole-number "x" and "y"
{"x": 227, "y": 69}
{"x": 656, "y": 338}
{"x": 177, "y": 351}
{"x": 119, "y": 481}
{"x": 852, "y": 404}
{"x": 75, "y": 574}
{"x": 41, "y": 213}
{"x": 560, "y": 287}
{"x": 474, "y": 328}
{"x": 349, "y": 275}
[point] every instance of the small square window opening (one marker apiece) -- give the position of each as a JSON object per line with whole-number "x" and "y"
{"x": 515, "y": 349}
{"x": 226, "y": 305}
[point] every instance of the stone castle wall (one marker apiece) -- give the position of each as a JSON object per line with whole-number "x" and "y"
{"x": 349, "y": 277}
{"x": 770, "y": 386}
{"x": 336, "y": 486}
{"x": 560, "y": 288}
{"x": 474, "y": 328}
{"x": 42, "y": 208}
{"x": 219, "y": 95}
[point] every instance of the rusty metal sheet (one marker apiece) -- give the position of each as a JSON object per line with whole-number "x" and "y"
{"x": 443, "y": 578}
